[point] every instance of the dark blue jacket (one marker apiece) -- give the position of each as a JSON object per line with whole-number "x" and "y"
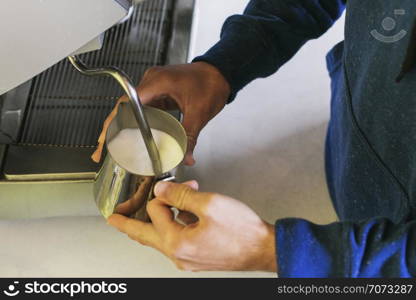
{"x": 371, "y": 142}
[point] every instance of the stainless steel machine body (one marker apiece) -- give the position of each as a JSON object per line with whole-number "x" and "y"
{"x": 36, "y": 34}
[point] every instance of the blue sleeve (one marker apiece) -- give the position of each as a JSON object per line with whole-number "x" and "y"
{"x": 257, "y": 43}
{"x": 372, "y": 248}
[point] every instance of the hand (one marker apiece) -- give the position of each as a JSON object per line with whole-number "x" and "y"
{"x": 227, "y": 236}
{"x": 199, "y": 90}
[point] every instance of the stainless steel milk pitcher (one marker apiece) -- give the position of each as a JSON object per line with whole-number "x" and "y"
{"x": 116, "y": 189}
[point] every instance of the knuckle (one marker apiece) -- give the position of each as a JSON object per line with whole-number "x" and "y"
{"x": 212, "y": 203}
{"x": 211, "y": 199}
{"x": 183, "y": 194}
{"x": 152, "y": 70}
{"x": 169, "y": 187}
{"x": 150, "y": 206}
{"x": 192, "y": 140}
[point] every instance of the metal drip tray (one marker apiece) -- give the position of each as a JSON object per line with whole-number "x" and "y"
{"x": 33, "y": 163}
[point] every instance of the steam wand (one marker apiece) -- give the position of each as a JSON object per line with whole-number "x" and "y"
{"x": 135, "y": 102}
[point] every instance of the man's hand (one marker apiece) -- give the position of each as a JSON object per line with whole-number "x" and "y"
{"x": 227, "y": 236}
{"x": 199, "y": 90}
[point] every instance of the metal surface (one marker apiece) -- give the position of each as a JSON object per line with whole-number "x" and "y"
{"x": 3, "y": 149}
{"x": 178, "y": 49}
{"x": 37, "y": 34}
{"x": 93, "y": 45}
{"x": 12, "y": 111}
{"x": 40, "y": 199}
{"x": 28, "y": 163}
{"x": 117, "y": 189}
{"x": 135, "y": 103}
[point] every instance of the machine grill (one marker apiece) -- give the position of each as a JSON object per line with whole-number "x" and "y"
{"x": 67, "y": 109}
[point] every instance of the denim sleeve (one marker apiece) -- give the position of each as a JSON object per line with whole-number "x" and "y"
{"x": 269, "y": 32}
{"x": 372, "y": 248}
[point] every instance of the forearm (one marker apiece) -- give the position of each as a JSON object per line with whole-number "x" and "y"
{"x": 256, "y": 43}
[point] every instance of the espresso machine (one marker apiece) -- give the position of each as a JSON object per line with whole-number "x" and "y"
{"x": 50, "y": 114}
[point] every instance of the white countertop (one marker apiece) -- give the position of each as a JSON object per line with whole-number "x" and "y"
{"x": 81, "y": 247}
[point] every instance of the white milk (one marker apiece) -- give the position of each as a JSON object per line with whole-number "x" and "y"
{"x": 129, "y": 151}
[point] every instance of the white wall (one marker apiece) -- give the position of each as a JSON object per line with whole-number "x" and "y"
{"x": 266, "y": 148}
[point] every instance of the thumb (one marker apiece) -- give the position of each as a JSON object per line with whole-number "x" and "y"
{"x": 181, "y": 196}
{"x": 142, "y": 232}
{"x": 192, "y": 184}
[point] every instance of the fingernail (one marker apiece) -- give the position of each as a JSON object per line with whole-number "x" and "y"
{"x": 160, "y": 187}
{"x": 195, "y": 184}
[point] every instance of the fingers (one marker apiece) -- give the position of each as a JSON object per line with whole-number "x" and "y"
{"x": 156, "y": 89}
{"x": 142, "y": 232}
{"x": 192, "y": 123}
{"x": 181, "y": 196}
{"x": 164, "y": 102}
{"x": 189, "y": 159}
{"x": 193, "y": 126}
{"x": 162, "y": 217}
{"x": 193, "y": 184}
{"x": 161, "y": 102}
{"x": 159, "y": 88}
{"x": 184, "y": 217}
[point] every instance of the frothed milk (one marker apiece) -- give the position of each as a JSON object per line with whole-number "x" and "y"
{"x": 129, "y": 151}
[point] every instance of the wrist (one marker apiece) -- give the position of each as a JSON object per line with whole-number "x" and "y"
{"x": 264, "y": 256}
{"x": 213, "y": 76}
{"x": 269, "y": 258}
